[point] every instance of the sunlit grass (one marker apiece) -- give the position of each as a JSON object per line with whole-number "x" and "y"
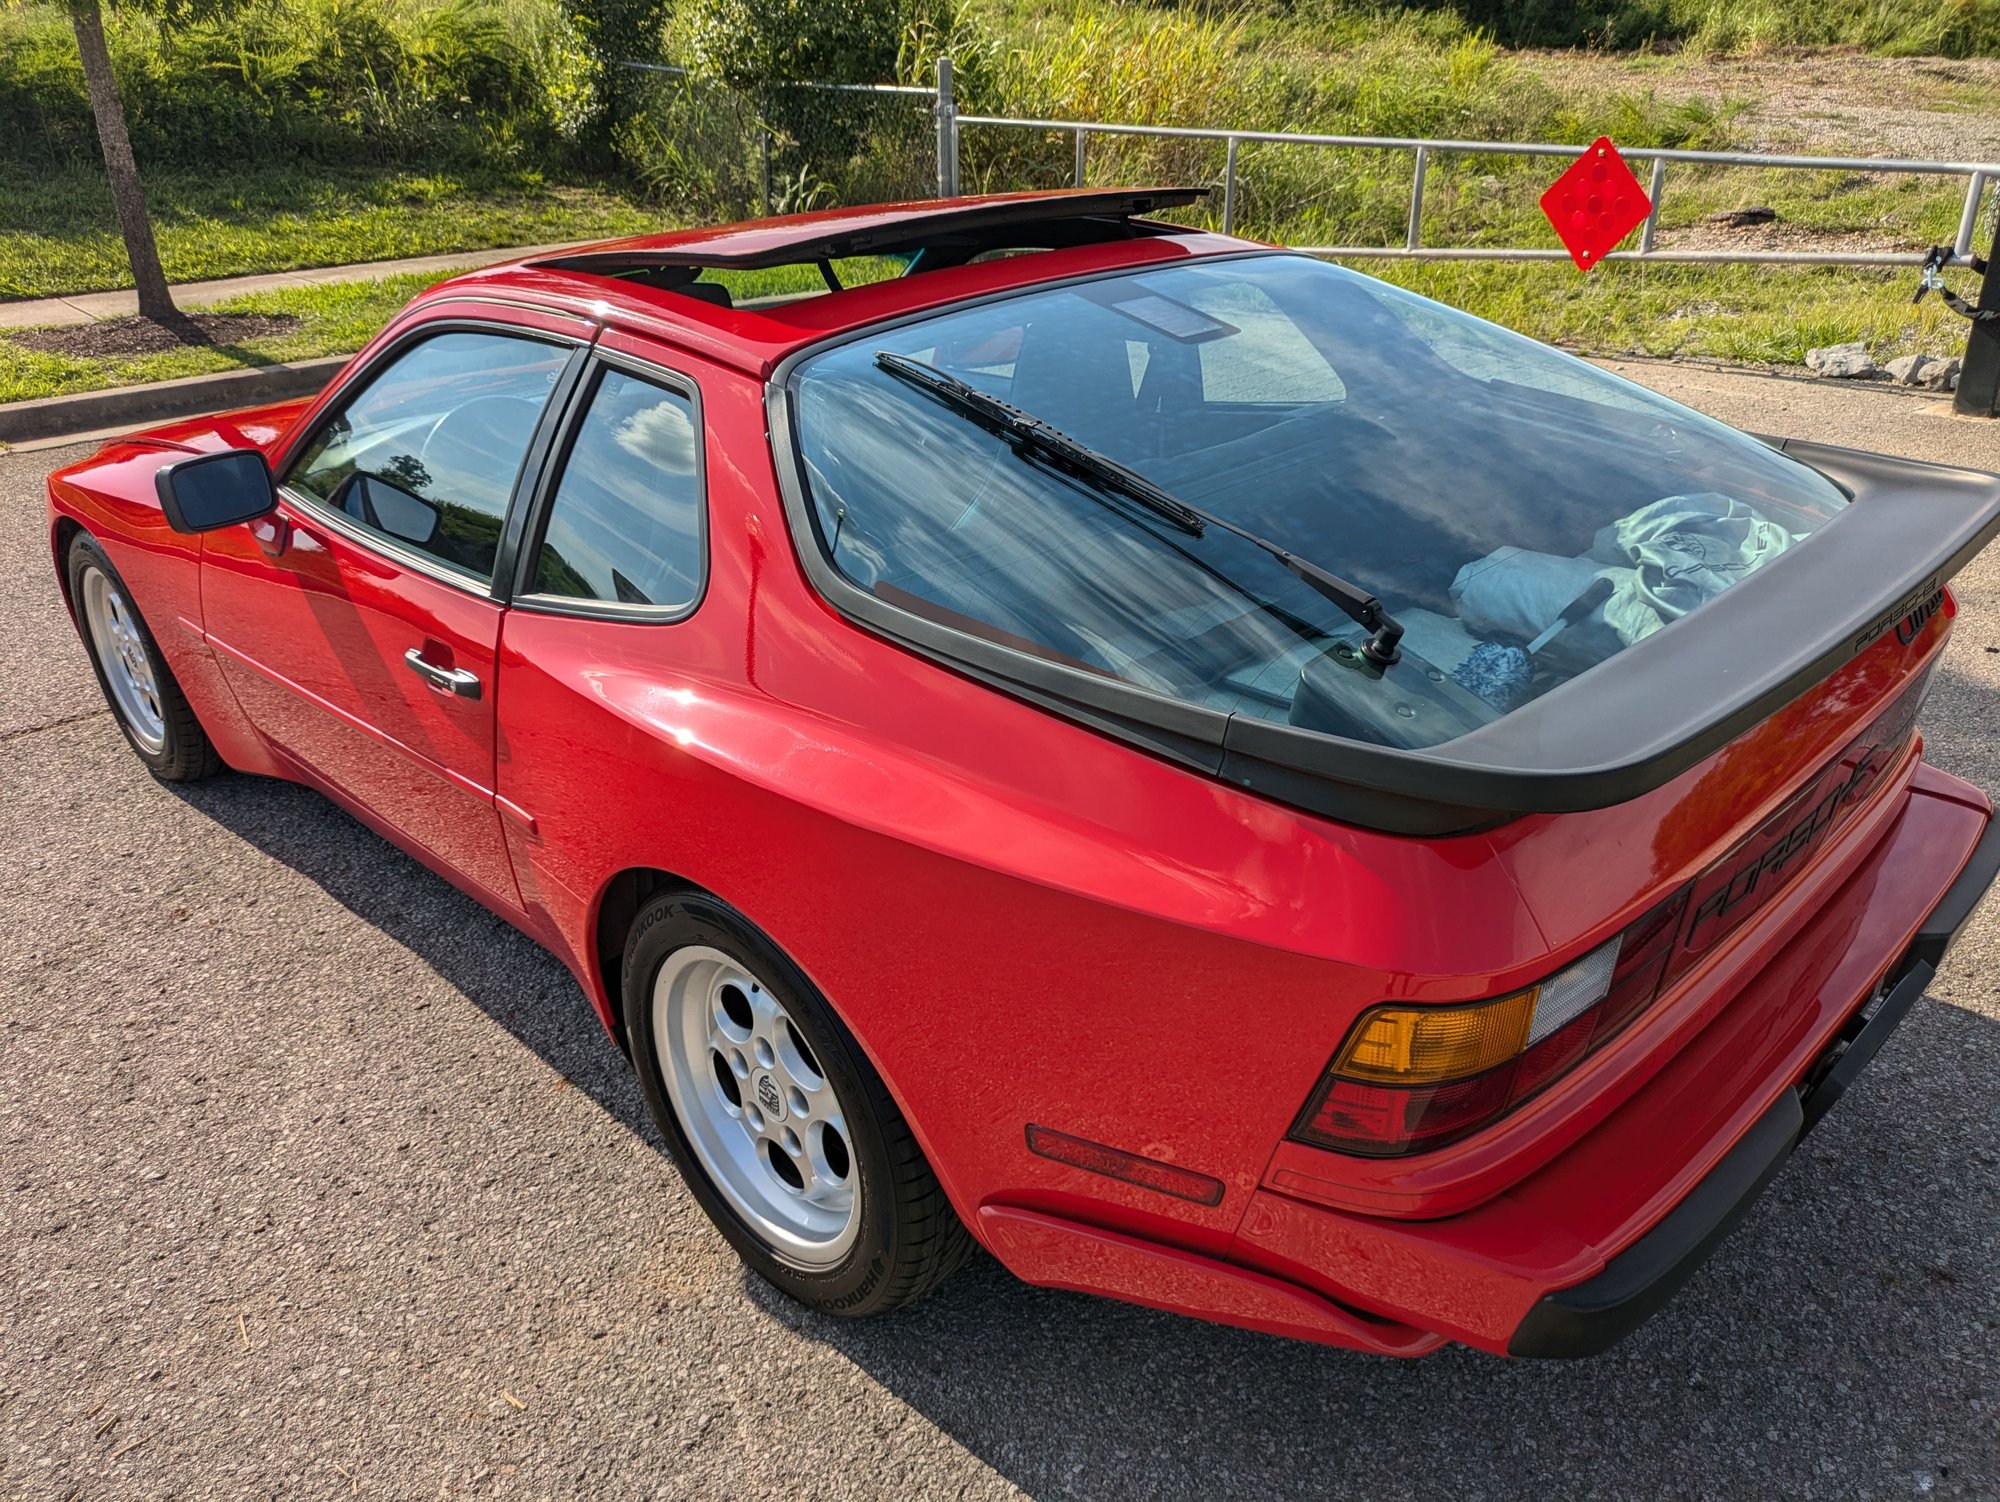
{"x": 335, "y": 320}
{"x": 58, "y": 235}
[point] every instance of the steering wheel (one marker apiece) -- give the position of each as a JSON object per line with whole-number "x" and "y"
{"x": 467, "y": 441}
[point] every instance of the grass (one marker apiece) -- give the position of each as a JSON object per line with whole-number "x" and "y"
{"x": 1341, "y": 70}
{"x": 1894, "y": 28}
{"x": 57, "y": 233}
{"x": 336, "y": 319}
{"x": 1734, "y": 314}
{"x": 1312, "y": 64}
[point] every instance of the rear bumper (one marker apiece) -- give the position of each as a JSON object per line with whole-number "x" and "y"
{"x": 1593, "y": 1315}
{"x": 1583, "y": 1251}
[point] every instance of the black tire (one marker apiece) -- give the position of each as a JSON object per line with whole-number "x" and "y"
{"x": 185, "y": 753}
{"x": 909, "y": 1238}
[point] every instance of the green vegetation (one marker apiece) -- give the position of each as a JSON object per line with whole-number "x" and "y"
{"x": 1735, "y": 314}
{"x": 464, "y": 81}
{"x": 289, "y": 133}
{"x": 333, "y": 320}
{"x": 57, "y": 234}
{"x": 1403, "y": 75}
{"x": 1900, "y": 28}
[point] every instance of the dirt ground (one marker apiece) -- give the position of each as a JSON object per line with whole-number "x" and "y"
{"x": 1821, "y": 103}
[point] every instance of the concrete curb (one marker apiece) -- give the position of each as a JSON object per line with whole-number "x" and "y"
{"x": 122, "y": 406}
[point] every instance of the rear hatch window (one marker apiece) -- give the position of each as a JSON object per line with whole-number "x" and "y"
{"x": 1524, "y": 516}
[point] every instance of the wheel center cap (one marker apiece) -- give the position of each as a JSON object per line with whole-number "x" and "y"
{"x": 769, "y": 1096}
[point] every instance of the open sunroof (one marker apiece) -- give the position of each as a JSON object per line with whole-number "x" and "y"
{"x": 947, "y": 235}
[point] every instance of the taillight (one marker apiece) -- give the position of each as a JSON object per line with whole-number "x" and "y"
{"x": 1411, "y": 1078}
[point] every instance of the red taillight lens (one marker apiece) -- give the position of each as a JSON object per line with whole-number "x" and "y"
{"x": 1402, "y": 1081}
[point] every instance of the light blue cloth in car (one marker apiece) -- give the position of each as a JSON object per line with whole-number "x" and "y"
{"x": 1663, "y": 559}
{"x": 1678, "y": 552}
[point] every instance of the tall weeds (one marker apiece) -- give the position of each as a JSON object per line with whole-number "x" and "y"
{"x": 282, "y": 80}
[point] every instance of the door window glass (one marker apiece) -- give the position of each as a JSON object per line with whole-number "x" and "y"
{"x": 625, "y": 524}
{"x": 428, "y": 452}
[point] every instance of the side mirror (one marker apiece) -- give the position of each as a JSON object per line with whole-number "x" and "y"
{"x": 208, "y": 491}
{"x": 388, "y": 508}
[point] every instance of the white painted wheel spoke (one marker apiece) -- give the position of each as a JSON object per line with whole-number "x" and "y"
{"x": 121, "y": 651}
{"x": 765, "y": 1124}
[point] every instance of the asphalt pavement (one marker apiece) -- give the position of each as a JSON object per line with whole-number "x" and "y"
{"x": 320, "y": 1182}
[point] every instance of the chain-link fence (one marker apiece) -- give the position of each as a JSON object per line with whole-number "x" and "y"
{"x": 779, "y": 148}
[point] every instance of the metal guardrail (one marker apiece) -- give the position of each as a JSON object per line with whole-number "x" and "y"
{"x": 1979, "y": 385}
{"x": 1977, "y": 174}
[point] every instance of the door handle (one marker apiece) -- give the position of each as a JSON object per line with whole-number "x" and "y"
{"x": 458, "y": 681}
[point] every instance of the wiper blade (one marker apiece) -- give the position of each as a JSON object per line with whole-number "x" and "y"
{"x": 1030, "y": 435}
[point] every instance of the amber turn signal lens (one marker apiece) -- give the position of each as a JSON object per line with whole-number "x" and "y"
{"x": 1425, "y": 1045}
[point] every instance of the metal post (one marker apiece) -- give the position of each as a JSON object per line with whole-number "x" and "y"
{"x": 1413, "y": 237}
{"x": 1079, "y": 156}
{"x": 1979, "y": 377}
{"x": 1229, "y": 189}
{"x": 947, "y": 132}
{"x": 1653, "y": 214}
{"x": 1968, "y": 219}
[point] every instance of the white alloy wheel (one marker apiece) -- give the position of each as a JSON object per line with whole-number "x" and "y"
{"x": 127, "y": 662}
{"x": 759, "y": 1112}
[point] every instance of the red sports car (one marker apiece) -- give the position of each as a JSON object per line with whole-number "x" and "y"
{"x": 1227, "y": 784}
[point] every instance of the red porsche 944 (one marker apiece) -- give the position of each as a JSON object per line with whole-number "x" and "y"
{"x": 1227, "y": 784}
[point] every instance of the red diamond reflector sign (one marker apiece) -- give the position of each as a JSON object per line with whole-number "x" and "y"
{"x": 1595, "y": 204}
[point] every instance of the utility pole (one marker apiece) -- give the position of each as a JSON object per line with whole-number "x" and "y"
{"x": 1979, "y": 375}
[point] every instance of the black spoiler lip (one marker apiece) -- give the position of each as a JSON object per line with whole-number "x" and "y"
{"x": 1605, "y": 737}
{"x": 1683, "y": 693}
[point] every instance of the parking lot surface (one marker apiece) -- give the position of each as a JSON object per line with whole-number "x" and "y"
{"x": 321, "y": 1182}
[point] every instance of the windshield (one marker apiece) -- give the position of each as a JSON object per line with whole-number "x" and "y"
{"x": 1524, "y": 515}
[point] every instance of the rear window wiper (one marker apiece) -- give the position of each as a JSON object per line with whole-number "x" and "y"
{"x": 1029, "y": 435}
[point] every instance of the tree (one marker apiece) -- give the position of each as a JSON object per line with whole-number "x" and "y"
{"x": 763, "y": 47}
{"x": 614, "y": 32}
{"x": 128, "y": 195}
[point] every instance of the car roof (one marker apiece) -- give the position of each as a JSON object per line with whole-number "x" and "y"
{"x": 639, "y": 283}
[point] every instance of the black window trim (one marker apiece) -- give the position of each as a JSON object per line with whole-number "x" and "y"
{"x": 540, "y": 502}
{"x": 1910, "y": 528}
{"x": 526, "y": 479}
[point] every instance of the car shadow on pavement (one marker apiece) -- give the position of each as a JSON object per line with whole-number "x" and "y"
{"x": 1842, "y": 1341}
{"x": 507, "y": 975}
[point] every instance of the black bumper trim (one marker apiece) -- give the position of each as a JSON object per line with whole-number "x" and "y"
{"x": 1948, "y": 919}
{"x": 1597, "y": 1313}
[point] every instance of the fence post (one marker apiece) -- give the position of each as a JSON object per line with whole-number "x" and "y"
{"x": 1079, "y": 156}
{"x": 1229, "y": 189}
{"x": 947, "y": 132}
{"x": 1414, "y": 234}
{"x": 1653, "y": 214}
{"x": 1979, "y": 376}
